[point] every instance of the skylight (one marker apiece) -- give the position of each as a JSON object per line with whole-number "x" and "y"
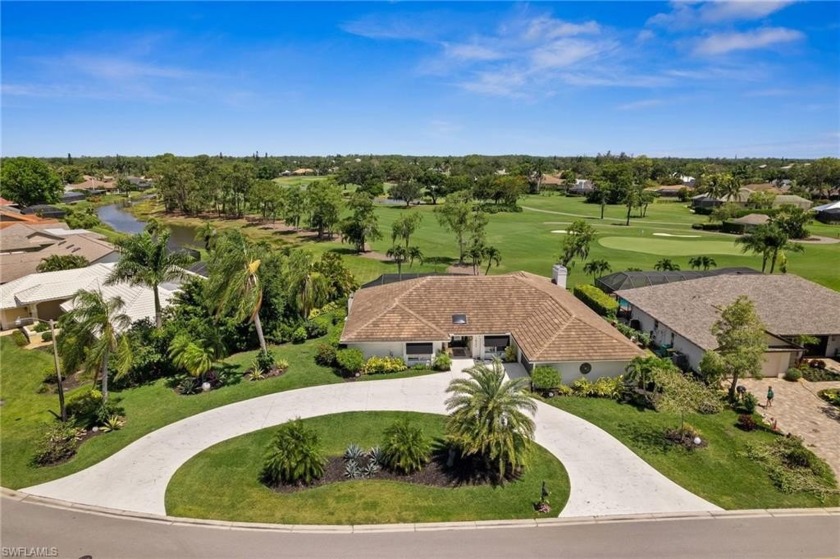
{"x": 459, "y": 319}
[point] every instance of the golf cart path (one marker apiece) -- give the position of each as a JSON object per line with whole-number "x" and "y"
{"x": 606, "y": 477}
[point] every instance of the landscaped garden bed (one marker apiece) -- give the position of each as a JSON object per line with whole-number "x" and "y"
{"x": 232, "y": 469}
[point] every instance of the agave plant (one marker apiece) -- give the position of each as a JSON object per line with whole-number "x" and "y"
{"x": 376, "y": 455}
{"x": 352, "y": 470}
{"x": 371, "y": 469}
{"x": 113, "y": 423}
{"x": 354, "y": 452}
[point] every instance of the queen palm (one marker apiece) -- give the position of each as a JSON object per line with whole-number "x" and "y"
{"x": 705, "y": 262}
{"x": 493, "y": 256}
{"x": 489, "y": 417}
{"x": 92, "y": 333}
{"x": 233, "y": 281}
{"x": 398, "y": 254}
{"x": 145, "y": 259}
{"x": 193, "y": 355}
{"x": 597, "y": 268}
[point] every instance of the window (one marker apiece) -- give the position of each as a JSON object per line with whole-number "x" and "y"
{"x": 419, "y": 349}
{"x": 496, "y": 344}
{"x": 459, "y": 319}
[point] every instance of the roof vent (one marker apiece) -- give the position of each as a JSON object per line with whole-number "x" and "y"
{"x": 459, "y": 319}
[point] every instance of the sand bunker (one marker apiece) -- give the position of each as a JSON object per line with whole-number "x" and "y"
{"x": 681, "y": 236}
{"x": 559, "y": 231}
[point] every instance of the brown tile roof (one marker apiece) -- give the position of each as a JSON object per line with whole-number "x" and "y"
{"x": 752, "y": 219}
{"x": 547, "y": 322}
{"x": 787, "y": 304}
{"x": 20, "y": 264}
{"x": 9, "y": 217}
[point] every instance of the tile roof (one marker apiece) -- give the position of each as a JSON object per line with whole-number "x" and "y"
{"x": 787, "y": 304}
{"x": 18, "y": 264}
{"x": 628, "y": 280}
{"x": 547, "y": 322}
{"x": 63, "y": 285}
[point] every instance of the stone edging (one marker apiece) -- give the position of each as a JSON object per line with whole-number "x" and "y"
{"x": 418, "y": 527}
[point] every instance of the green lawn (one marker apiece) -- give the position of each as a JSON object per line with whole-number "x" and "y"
{"x": 25, "y": 412}
{"x": 670, "y": 247}
{"x": 718, "y": 473}
{"x": 231, "y": 469}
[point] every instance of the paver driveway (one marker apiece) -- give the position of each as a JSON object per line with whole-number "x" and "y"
{"x": 606, "y": 477}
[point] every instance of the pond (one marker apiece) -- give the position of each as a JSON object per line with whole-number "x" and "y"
{"x": 120, "y": 220}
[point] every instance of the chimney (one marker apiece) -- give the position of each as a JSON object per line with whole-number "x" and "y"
{"x": 559, "y": 273}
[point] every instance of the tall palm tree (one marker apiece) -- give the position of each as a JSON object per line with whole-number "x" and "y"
{"x": 705, "y": 262}
{"x": 770, "y": 241}
{"x": 493, "y": 256}
{"x": 414, "y": 253}
{"x": 756, "y": 242}
{"x": 92, "y": 333}
{"x": 489, "y": 417}
{"x": 476, "y": 254}
{"x": 233, "y": 281}
{"x": 307, "y": 286}
{"x": 206, "y": 233}
{"x": 145, "y": 259}
{"x": 398, "y": 254}
{"x": 597, "y": 268}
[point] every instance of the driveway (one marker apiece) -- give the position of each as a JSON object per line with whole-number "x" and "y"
{"x": 797, "y": 409}
{"x": 606, "y": 477}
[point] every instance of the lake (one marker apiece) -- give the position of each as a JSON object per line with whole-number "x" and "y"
{"x": 122, "y": 221}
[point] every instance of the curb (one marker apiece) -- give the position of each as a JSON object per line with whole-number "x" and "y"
{"x": 416, "y": 527}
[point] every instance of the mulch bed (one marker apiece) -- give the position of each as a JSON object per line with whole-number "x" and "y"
{"x": 684, "y": 439}
{"x": 433, "y": 474}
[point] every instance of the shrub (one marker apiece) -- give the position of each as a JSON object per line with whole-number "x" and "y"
{"x": 350, "y": 361}
{"x": 793, "y": 468}
{"x": 46, "y": 337}
{"x": 545, "y": 378}
{"x": 563, "y": 390}
{"x": 793, "y": 375}
{"x": 510, "y": 354}
{"x": 707, "y": 226}
{"x": 315, "y": 328}
{"x": 294, "y": 456}
{"x": 59, "y": 442}
{"x": 299, "y": 335}
{"x": 442, "y": 362}
{"x": 379, "y": 365}
{"x": 746, "y": 422}
{"x": 264, "y": 361}
{"x": 41, "y": 327}
{"x": 581, "y": 387}
{"x": 831, "y": 395}
{"x": 20, "y": 338}
{"x": 82, "y": 407}
{"x": 749, "y": 403}
{"x": 596, "y": 300}
{"x": 640, "y": 337}
{"x": 281, "y": 365}
{"x": 818, "y": 375}
{"x": 325, "y": 355}
{"x": 607, "y": 387}
{"x": 405, "y": 448}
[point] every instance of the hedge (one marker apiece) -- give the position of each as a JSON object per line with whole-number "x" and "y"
{"x": 596, "y": 300}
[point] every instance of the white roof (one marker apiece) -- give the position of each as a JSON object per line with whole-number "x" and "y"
{"x": 826, "y": 207}
{"x": 62, "y": 232}
{"x": 63, "y": 285}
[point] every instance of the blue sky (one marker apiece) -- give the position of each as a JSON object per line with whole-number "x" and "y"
{"x": 684, "y": 79}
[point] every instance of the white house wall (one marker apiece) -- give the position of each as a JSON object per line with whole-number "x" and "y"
{"x": 570, "y": 370}
{"x": 777, "y": 362}
{"x": 387, "y": 349}
{"x": 833, "y": 347}
{"x": 662, "y": 335}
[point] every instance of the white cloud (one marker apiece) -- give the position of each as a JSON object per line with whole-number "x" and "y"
{"x": 472, "y": 52}
{"x": 722, "y": 43}
{"x": 545, "y": 27}
{"x": 686, "y": 14}
{"x": 563, "y": 53}
{"x": 642, "y": 104}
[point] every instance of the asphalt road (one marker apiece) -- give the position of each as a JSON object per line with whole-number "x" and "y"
{"x": 74, "y": 534}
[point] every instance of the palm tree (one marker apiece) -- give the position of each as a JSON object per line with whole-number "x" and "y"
{"x": 597, "y": 268}
{"x": 405, "y": 448}
{"x": 493, "y": 256}
{"x": 755, "y": 242}
{"x": 414, "y": 253}
{"x": 194, "y": 356}
{"x": 206, "y": 233}
{"x": 295, "y": 455}
{"x": 145, "y": 259}
{"x": 489, "y": 417}
{"x": 770, "y": 241}
{"x": 476, "y": 254}
{"x": 705, "y": 262}
{"x": 233, "y": 282}
{"x": 92, "y": 332}
{"x": 307, "y": 286}
{"x": 398, "y": 254}
{"x": 666, "y": 265}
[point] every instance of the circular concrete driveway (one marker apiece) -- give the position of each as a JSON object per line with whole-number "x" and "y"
{"x": 606, "y": 477}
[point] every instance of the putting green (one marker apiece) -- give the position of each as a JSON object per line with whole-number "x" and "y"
{"x": 670, "y": 247}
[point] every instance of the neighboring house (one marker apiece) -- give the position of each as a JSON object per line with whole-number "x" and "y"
{"x": 630, "y": 280}
{"x": 687, "y": 180}
{"x": 50, "y": 295}
{"x": 72, "y": 197}
{"x": 10, "y": 216}
{"x": 680, "y": 315}
{"x": 479, "y": 316}
{"x": 140, "y": 183}
{"x": 672, "y": 191}
{"x": 581, "y": 187}
{"x": 707, "y": 202}
{"x": 92, "y": 183}
{"x": 828, "y": 213}
{"x": 792, "y": 200}
{"x": 23, "y": 247}
{"x": 746, "y": 223}
{"x": 303, "y": 171}
{"x": 44, "y": 210}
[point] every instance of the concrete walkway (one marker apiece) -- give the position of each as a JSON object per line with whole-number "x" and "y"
{"x": 797, "y": 409}
{"x": 606, "y": 477}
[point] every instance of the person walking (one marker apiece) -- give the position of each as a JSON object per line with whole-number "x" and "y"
{"x": 770, "y": 396}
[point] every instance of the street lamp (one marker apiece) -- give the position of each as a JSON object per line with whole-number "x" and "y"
{"x": 51, "y": 322}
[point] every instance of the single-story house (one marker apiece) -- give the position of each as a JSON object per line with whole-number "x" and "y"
{"x": 44, "y": 210}
{"x": 792, "y": 200}
{"x": 10, "y": 216}
{"x": 49, "y": 295}
{"x": 71, "y": 197}
{"x": 707, "y": 202}
{"x": 746, "y": 223}
{"x": 630, "y": 280}
{"x": 582, "y": 187}
{"x": 680, "y": 315}
{"x": 480, "y": 316}
{"x": 23, "y": 247}
{"x": 828, "y": 213}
